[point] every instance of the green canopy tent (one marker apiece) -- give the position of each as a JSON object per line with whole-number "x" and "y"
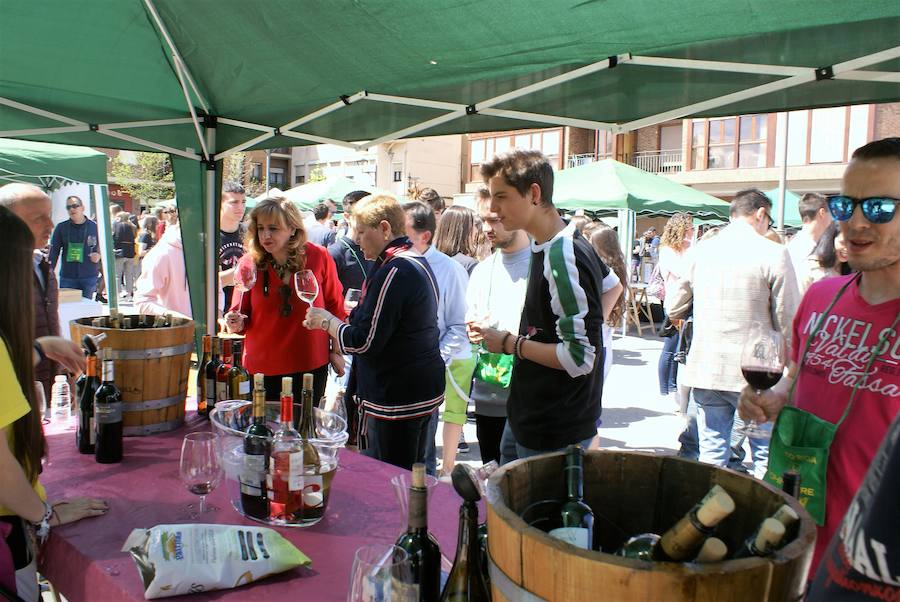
{"x": 184, "y": 77}
{"x": 307, "y": 196}
{"x": 51, "y": 166}
{"x": 791, "y": 206}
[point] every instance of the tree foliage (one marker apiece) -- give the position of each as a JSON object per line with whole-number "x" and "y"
{"x": 147, "y": 178}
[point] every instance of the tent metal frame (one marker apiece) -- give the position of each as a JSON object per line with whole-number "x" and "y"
{"x": 792, "y": 76}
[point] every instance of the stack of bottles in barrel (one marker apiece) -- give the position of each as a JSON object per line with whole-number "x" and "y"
{"x": 221, "y": 375}
{"x": 133, "y": 322}
{"x": 283, "y": 478}
{"x": 99, "y": 409}
{"x": 468, "y": 579}
{"x": 691, "y": 539}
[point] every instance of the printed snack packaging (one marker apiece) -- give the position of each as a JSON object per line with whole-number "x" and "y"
{"x": 186, "y": 559}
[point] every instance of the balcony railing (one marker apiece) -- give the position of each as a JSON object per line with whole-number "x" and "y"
{"x": 662, "y": 161}
{"x": 576, "y": 160}
{"x": 281, "y": 150}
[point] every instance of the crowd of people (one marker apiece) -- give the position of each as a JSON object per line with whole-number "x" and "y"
{"x": 423, "y": 311}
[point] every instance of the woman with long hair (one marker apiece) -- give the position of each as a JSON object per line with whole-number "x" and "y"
{"x": 676, "y": 239}
{"x": 23, "y": 506}
{"x": 456, "y": 236}
{"x": 605, "y": 241}
{"x": 829, "y": 258}
{"x": 271, "y": 315}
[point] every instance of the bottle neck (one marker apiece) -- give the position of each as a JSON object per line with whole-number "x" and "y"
{"x": 468, "y": 531}
{"x": 307, "y": 424}
{"x": 418, "y": 509}
{"x": 108, "y": 371}
{"x": 287, "y": 410}
{"x": 259, "y": 407}
{"x": 574, "y": 479}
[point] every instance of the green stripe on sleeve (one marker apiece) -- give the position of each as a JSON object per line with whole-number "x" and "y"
{"x": 566, "y": 294}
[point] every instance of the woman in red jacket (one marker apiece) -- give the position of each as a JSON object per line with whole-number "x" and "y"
{"x": 271, "y": 315}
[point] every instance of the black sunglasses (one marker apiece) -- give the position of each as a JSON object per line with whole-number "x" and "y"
{"x": 876, "y": 209}
{"x": 72, "y": 206}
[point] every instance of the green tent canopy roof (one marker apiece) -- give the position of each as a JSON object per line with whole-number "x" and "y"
{"x": 50, "y": 165}
{"x": 307, "y": 196}
{"x": 608, "y": 185}
{"x": 791, "y": 206}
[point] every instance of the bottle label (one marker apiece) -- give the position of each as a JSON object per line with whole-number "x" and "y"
{"x": 288, "y": 468}
{"x": 313, "y": 490}
{"x": 108, "y": 413}
{"x": 244, "y": 387}
{"x": 221, "y": 391}
{"x": 210, "y": 391}
{"x": 577, "y": 536}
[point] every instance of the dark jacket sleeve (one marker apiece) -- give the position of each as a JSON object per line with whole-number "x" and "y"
{"x": 377, "y": 317}
{"x": 55, "y": 245}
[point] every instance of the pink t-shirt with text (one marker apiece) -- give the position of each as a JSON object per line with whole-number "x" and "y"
{"x": 835, "y": 361}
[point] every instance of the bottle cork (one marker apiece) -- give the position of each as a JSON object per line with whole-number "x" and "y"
{"x": 258, "y": 382}
{"x": 308, "y": 382}
{"x": 713, "y": 550}
{"x": 786, "y": 515}
{"x": 715, "y": 507}
{"x": 769, "y": 535}
{"x": 287, "y": 385}
{"x": 418, "y": 475}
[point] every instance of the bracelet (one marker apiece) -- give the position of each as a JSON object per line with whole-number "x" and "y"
{"x": 503, "y": 342}
{"x": 40, "y": 351}
{"x": 517, "y": 348}
{"x": 42, "y": 528}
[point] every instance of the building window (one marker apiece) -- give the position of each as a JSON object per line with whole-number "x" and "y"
{"x": 726, "y": 143}
{"x": 605, "y": 144}
{"x": 256, "y": 172}
{"x": 698, "y": 144}
{"x": 300, "y": 180}
{"x": 276, "y": 176}
{"x": 481, "y": 150}
{"x": 828, "y": 135}
{"x": 398, "y": 172}
{"x": 752, "y": 146}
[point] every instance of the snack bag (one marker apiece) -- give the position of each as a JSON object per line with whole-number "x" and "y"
{"x": 186, "y": 559}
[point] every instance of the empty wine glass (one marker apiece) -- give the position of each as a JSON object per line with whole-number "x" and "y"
{"x": 201, "y": 467}
{"x": 244, "y": 279}
{"x": 762, "y": 363}
{"x": 307, "y": 286}
{"x": 351, "y": 299}
{"x": 382, "y": 573}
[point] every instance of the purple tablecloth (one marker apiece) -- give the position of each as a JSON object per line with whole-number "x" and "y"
{"x": 83, "y": 560}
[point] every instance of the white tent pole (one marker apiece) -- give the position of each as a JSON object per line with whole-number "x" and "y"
{"x": 29, "y": 109}
{"x": 209, "y": 241}
{"x": 175, "y": 54}
{"x": 319, "y": 139}
{"x": 245, "y": 124}
{"x": 39, "y": 131}
{"x": 415, "y": 102}
{"x": 782, "y": 176}
{"x": 323, "y": 111}
{"x": 415, "y": 128}
{"x": 143, "y": 124}
{"x": 865, "y": 61}
{"x": 760, "y": 69}
{"x": 244, "y": 145}
{"x": 578, "y": 123}
{"x": 190, "y": 106}
{"x": 159, "y": 147}
{"x": 888, "y": 77}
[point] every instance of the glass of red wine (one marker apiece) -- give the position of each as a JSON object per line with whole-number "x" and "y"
{"x": 201, "y": 467}
{"x": 762, "y": 363}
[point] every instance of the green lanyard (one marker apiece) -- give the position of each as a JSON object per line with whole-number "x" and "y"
{"x": 874, "y": 355}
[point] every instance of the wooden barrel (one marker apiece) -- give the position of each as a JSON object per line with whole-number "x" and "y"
{"x": 632, "y": 493}
{"x": 151, "y": 371}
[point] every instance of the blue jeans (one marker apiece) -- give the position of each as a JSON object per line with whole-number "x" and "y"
{"x": 511, "y": 450}
{"x": 430, "y": 446}
{"x": 668, "y": 367}
{"x": 689, "y": 438}
{"x": 715, "y": 422}
{"x": 87, "y": 286}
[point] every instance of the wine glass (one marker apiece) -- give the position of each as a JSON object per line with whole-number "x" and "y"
{"x": 382, "y": 572}
{"x": 244, "y": 279}
{"x": 351, "y": 299}
{"x": 201, "y": 466}
{"x": 762, "y": 363}
{"x": 307, "y": 286}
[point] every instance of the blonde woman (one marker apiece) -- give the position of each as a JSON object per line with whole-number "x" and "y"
{"x": 271, "y": 315}
{"x": 676, "y": 239}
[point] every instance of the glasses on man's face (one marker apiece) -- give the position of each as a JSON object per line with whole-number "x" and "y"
{"x": 876, "y": 209}
{"x": 70, "y": 207}
{"x": 771, "y": 221}
{"x": 286, "y": 307}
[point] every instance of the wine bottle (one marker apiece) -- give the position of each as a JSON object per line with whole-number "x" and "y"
{"x": 682, "y": 541}
{"x": 764, "y": 541}
{"x": 212, "y": 368}
{"x": 108, "y": 418}
{"x": 286, "y": 464}
{"x": 114, "y": 321}
{"x": 257, "y": 451}
{"x": 85, "y": 435}
{"x": 790, "y": 483}
{"x": 466, "y": 581}
{"x": 222, "y": 372}
{"x": 786, "y": 516}
{"x": 202, "y": 408}
{"x": 421, "y": 547}
{"x": 712, "y": 550}
{"x": 483, "y": 474}
{"x": 577, "y": 517}
{"x": 159, "y": 322}
{"x": 238, "y": 377}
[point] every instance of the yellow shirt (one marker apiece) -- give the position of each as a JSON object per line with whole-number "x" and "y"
{"x": 13, "y": 405}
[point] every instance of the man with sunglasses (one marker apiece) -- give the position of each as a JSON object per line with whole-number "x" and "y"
{"x": 733, "y": 280}
{"x": 77, "y": 241}
{"x": 813, "y": 208}
{"x": 860, "y": 317}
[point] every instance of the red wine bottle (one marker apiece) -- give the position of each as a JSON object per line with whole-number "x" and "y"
{"x": 209, "y": 374}
{"x": 85, "y": 435}
{"x": 257, "y": 451}
{"x": 420, "y": 545}
{"x": 108, "y": 418}
{"x": 222, "y": 372}
{"x": 202, "y": 408}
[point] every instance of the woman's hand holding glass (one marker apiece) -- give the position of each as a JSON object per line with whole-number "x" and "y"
{"x": 234, "y": 322}
{"x": 316, "y": 318}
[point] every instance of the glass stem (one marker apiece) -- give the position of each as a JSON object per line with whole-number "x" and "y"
{"x": 202, "y": 504}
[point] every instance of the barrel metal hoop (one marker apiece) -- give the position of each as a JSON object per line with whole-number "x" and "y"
{"x": 152, "y": 429}
{"x": 510, "y": 590}
{"x": 152, "y": 404}
{"x": 149, "y": 354}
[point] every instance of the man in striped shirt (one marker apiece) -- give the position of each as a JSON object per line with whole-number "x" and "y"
{"x": 554, "y": 395}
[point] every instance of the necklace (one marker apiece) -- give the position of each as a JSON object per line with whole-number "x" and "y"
{"x": 280, "y": 268}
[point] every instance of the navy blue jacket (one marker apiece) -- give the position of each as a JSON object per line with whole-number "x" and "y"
{"x": 393, "y": 335}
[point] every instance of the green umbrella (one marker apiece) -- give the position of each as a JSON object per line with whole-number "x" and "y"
{"x": 607, "y": 186}
{"x": 50, "y": 165}
{"x": 791, "y": 207}
{"x": 307, "y": 196}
